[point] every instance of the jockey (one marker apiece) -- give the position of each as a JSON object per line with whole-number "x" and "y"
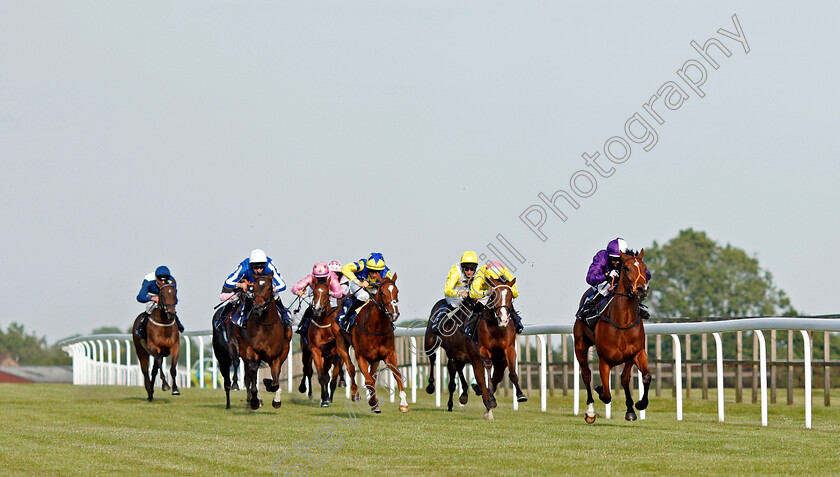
{"x": 320, "y": 274}
{"x": 602, "y": 273}
{"x": 480, "y": 288}
{"x": 243, "y": 276}
{"x": 363, "y": 277}
{"x": 335, "y": 267}
{"x": 149, "y": 292}
{"x": 457, "y": 286}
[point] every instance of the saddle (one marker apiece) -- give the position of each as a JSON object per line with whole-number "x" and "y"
{"x": 591, "y": 314}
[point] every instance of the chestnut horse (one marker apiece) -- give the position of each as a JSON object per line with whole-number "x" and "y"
{"x": 162, "y": 340}
{"x": 322, "y": 346}
{"x": 460, "y": 350}
{"x": 619, "y": 337}
{"x": 266, "y": 337}
{"x": 497, "y": 340}
{"x": 373, "y": 341}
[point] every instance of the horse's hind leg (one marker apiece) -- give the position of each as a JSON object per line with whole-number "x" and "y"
{"x": 143, "y": 358}
{"x": 641, "y": 361}
{"x": 510, "y": 354}
{"x": 430, "y": 346}
{"x": 626, "y": 374}
{"x": 604, "y": 389}
{"x": 465, "y": 396}
{"x": 252, "y": 367}
{"x": 153, "y": 375}
{"x": 222, "y": 353}
{"x": 582, "y": 355}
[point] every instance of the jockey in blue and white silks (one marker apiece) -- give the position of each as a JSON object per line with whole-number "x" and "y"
{"x": 256, "y": 263}
{"x": 149, "y": 291}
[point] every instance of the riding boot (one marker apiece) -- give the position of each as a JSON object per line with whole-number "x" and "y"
{"x": 517, "y": 320}
{"x": 589, "y": 304}
{"x": 643, "y": 311}
{"x": 141, "y": 327}
{"x": 180, "y": 326}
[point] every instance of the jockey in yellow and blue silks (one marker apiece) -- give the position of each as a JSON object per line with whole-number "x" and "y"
{"x": 480, "y": 288}
{"x": 457, "y": 288}
{"x": 363, "y": 275}
{"x": 149, "y": 292}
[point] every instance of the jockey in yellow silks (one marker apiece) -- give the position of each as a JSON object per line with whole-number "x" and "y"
{"x": 362, "y": 275}
{"x": 480, "y": 288}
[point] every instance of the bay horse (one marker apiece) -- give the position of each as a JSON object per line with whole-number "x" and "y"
{"x": 497, "y": 340}
{"x": 266, "y": 337}
{"x": 162, "y": 340}
{"x": 460, "y": 350}
{"x": 619, "y": 337}
{"x": 227, "y": 352}
{"x": 320, "y": 346}
{"x": 373, "y": 341}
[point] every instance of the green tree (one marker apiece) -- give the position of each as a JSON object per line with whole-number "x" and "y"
{"x": 696, "y": 277}
{"x": 30, "y": 349}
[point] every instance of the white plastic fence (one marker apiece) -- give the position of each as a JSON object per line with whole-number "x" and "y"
{"x": 96, "y": 362}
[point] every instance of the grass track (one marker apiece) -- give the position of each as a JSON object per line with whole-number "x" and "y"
{"x": 98, "y": 430}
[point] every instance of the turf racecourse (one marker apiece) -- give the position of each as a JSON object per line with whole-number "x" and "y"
{"x": 98, "y": 430}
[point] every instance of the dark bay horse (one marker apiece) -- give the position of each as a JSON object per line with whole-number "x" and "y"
{"x": 227, "y": 352}
{"x": 619, "y": 337}
{"x": 322, "y": 346}
{"x": 460, "y": 350}
{"x": 162, "y": 340}
{"x": 373, "y": 341}
{"x": 266, "y": 337}
{"x": 497, "y": 340}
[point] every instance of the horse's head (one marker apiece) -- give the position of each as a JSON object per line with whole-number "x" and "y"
{"x": 320, "y": 298}
{"x": 263, "y": 291}
{"x": 501, "y": 300}
{"x": 386, "y": 298}
{"x": 634, "y": 273}
{"x": 167, "y": 298}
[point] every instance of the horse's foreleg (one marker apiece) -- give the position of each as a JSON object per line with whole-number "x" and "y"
{"x": 153, "y": 374}
{"x": 323, "y": 377}
{"x": 173, "y": 369}
{"x": 641, "y": 361}
{"x": 273, "y": 385}
{"x": 453, "y": 371}
{"x": 465, "y": 396}
{"x": 252, "y": 367}
{"x": 582, "y": 355}
{"x": 481, "y": 383}
{"x": 391, "y": 361}
{"x": 626, "y": 374}
{"x": 306, "y": 361}
{"x": 430, "y": 346}
{"x": 510, "y": 354}
{"x": 370, "y": 383}
{"x": 604, "y": 389}
{"x": 336, "y": 372}
{"x": 342, "y": 348}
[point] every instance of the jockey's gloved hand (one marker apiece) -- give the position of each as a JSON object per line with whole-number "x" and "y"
{"x": 613, "y": 274}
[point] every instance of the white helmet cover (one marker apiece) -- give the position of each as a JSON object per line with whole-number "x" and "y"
{"x": 258, "y": 256}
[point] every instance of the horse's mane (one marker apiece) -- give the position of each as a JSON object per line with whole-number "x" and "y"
{"x": 632, "y": 252}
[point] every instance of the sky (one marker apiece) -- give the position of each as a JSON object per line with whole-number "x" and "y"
{"x": 136, "y": 134}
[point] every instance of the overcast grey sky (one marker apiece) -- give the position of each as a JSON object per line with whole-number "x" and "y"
{"x": 134, "y": 134}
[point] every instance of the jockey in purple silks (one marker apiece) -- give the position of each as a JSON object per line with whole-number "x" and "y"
{"x": 602, "y": 272}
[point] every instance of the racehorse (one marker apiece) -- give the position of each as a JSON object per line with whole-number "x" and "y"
{"x": 162, "y": 340}
{"x": 373, "y": 341}
{"x": 266, "y": 337}
{"x": 460, "y": 350}
{"x": 497, "y": 340}
{"x": 619, "y": 337}
{"x": 321, "y": 346}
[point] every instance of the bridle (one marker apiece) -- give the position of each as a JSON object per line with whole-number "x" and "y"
{"x": 172, "y": 318}
{"x": 494, "y": 298}
{"x": 392, "y": 316}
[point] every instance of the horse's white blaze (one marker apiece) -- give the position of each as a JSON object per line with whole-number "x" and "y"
{"x": 590, "y": 409}
{"x": 262, "y": 282}
{"x": 403, "y": 402}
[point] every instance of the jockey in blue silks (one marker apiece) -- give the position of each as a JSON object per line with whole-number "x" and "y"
{"x": 149, "y": 292}
{"x": 256, "y": 263}
{"x": 605, "y": 269}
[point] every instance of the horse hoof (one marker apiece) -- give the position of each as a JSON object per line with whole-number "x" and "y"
{"x": 165, "y": 387}
{"x": 488, "y": 414}
{"x": 630, "y": 416}
{"x": 309, "y": 397}
{"x": 234, "y": 387}
{"x": 403, "y": 409}
{"x": 377, "y": 410}
{"x": 598, "y": 389}
{"x": 641, "y": 405}
{"x": 463, "y": 399}
{"x": 302, "y": 388}
{"x": 276, "y": 404}
{"x": 492, "y": 402}
{"x": 325, "y": 404}
{"x": 430, "y": 389}
{"x": 589, "y": 419}
{"x": 521, "y": 398}
{"x": 149, "y": 398}
{"x": 477, "y": 389}
{"x": 175, "y": 392}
